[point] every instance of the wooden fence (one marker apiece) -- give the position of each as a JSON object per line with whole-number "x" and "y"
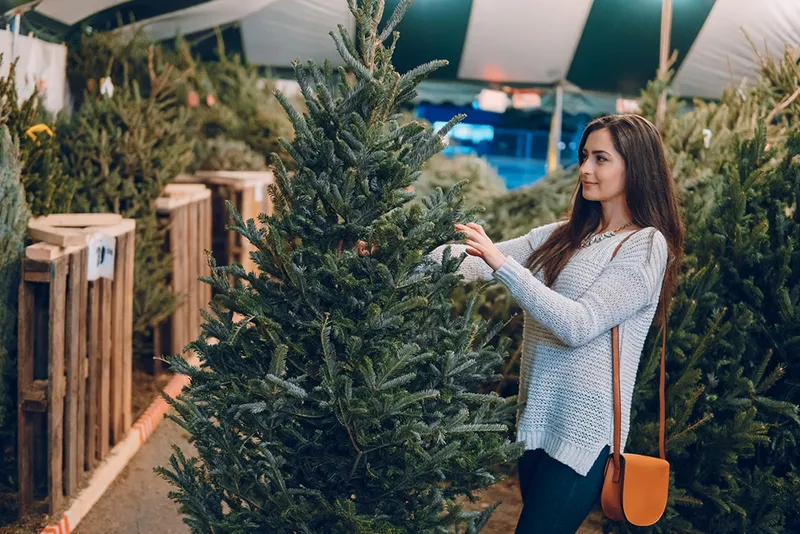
{"x": 186, "y": 211}
{"x": 74, "y": 351}
{"x": 247, "y": 191}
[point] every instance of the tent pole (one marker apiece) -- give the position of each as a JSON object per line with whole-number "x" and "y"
{"x": 553, "y": 150}
{"x": 666, "y": 28}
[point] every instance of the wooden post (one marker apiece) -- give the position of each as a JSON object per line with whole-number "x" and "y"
{"x": 106, "y": 348}
{"x": 193, "y": 242}
{"x": 206, "y": 222}
{"x": 666, "y": 28}
{"x": 55, "y": 385}
{"x": 247, "y": 191}
{"x": 553, "y": 150}
{"x": 185, "y": 209}
{"x": 118, "y": 430}
{"x": 25, "y": 340}
{"x": 76, "y": 355}
{"x": 45, "y": 394}
{"x": 127, "y": 379}
{"x": 93, "y": 374}
{"x": 69, "y": 384}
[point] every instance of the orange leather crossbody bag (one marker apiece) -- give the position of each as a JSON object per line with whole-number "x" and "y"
{"x": 636, "y": 487}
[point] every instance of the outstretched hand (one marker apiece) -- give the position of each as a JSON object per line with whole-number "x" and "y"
{"x": 479, "y": 244}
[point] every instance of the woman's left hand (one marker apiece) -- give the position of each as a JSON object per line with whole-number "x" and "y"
{"x": 479, "y": 244}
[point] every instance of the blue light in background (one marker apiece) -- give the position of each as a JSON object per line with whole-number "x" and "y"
{"x": 474, "y": 133}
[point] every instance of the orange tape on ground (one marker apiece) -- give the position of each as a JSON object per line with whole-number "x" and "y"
{"x": 62, "y": 527}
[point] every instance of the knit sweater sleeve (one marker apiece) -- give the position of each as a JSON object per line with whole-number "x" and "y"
{"x": 520, "y": 248}
{"x": 630, "y": 282}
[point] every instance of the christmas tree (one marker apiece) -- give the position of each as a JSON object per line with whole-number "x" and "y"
{"x": 48, "y": 189}
{"x": 482, "y": 183}
{"x": 223, "y": 154}
{"x": 121, "y": 149}
{"x": 731, "y": 427}
{"x": 336, "y": 393}
{"x": 124, "y": 57}
{"x": 232, "y": 100}
{"x": 733, "y": 328}
{"x": 13, "y": 227}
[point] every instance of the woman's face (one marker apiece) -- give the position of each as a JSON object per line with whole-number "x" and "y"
{"x": 602, "y": 172}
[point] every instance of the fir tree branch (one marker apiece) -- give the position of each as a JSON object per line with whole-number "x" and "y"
{"x": 394, "y": 20}
{"x": 351, "y": 61}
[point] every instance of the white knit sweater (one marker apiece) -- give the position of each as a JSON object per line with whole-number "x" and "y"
{"x": 565, "y": 370}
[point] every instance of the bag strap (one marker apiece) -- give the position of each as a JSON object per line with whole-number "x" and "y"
{"x": 615, "y": 369}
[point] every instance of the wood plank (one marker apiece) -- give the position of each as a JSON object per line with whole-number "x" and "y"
{"x": 83, "y": 335}
{"x": 34, "y": 396}
{"x": 187, "y": 179}
{"x": 106, "y": 349}
{"x": 249, "y": 210}
{"x": 235, "y": 177}
{"x": 25, "y": 337}
{"x": 123, "y": 227}
{"x": 234, "y": 237}
{"x": 127, "y": 326}
{"x": 117, "y": 356}
{"x": 179, "y": 248}
{"x": 73, "y": 358}
{"x": 58, "y": 236}
{"x": 78, "y": 220}
{"x": 168, "y": 204}
{"x": 40, "y": 278}
{"x": 55, "y": 416}
{"x": 43, "y": 252}
{"x": 207, "y": 223}
{"x": 193, "y": 242}
{"x": 183, "y": 188}
{"x": 94, "y": 360}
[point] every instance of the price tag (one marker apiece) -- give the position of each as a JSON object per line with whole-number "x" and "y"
{"x": 259, "y": 192}
{"x": 101, "y": 257}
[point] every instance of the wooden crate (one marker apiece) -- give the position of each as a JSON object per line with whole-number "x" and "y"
{"x": 247, "y": 191}
{"x": 75, "y": 350}
{"x": 186, "y": 211}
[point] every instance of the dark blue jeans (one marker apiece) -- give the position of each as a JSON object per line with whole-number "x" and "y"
{"x": 556, "y": 499}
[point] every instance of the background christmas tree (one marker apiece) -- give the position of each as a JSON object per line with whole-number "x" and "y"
{"x": 233, "y": 101}
{"x": 343, "y": 400}
{"x": 482, "y": 183}
{"x": 224, "y": 154}
{"x": 734, "y": 322}
{"x": 121, "y": 150}
{"x": 124, "y": 57}
{"x": 13, "y": 227}
{"x": 731, "y": 426}
{"x": 48, "y": 189}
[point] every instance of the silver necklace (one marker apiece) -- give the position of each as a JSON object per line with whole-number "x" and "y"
{"x": 591, "y": 239}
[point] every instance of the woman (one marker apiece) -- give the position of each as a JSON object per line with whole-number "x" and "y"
{"x": 572, "y": 294}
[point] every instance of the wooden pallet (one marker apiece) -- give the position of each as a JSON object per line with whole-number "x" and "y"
{"x": 186, "y": 211}
{"x": 247, "y": 191}
{"x": 75, "y": 351}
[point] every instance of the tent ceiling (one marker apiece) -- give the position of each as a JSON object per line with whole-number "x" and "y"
{"x": 608, "y": 46}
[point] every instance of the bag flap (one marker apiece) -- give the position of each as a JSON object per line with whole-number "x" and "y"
{"x": 645, "y": 488}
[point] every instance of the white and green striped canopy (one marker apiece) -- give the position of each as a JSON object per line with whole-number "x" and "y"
{"x": 606, "y": 46}
{"x": 609, "y": 46}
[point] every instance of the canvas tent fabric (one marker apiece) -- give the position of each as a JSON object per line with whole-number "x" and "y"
{"x": 40, "y": 65}
{"x": 600, "y": 46}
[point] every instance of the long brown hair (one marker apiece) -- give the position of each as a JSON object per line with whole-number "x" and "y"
{"x": 651, "y": 195}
